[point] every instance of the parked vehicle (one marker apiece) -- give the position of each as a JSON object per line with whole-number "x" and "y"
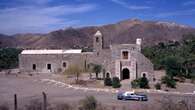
{"x": 131, "y": 96}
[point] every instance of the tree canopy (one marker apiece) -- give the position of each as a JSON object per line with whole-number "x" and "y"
{"x": 9, "y": 58}
{"x": 176, "y": 57}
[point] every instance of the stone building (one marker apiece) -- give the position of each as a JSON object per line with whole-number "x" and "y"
{"x": 121, "y": 60}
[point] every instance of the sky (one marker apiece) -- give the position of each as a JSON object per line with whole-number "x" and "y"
{"x": 42, "y": 16}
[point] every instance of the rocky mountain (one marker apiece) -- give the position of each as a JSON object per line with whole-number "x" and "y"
{"x": 126, "y": 31}
{"x": 7, "y": 41}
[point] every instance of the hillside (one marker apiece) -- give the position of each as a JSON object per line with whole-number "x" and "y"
{"x": 7, "y": 41}
{"x": 122, "y": 32}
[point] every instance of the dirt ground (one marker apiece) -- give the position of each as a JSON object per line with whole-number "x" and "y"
{"x": 31, "y": 87}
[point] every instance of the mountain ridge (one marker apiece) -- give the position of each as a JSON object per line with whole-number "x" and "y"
{"x": 125, "y": 31}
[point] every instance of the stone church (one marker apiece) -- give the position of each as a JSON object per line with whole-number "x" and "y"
{"x": 121, "y": 60}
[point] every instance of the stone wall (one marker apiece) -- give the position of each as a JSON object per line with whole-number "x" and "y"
{"x": 118, "y": 63}
{"x": 111, "y": 60}
{"x": 42, "y": 60}
{"x": 144, "y": 65}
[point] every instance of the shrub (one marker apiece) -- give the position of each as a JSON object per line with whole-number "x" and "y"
{"x": 168, "y": 81}
{"x": 135, "y": 83}
{"x": 158, "y": 86}
{"x": 89, "y": 103}
{"x": 75, "y": 70}
{"x": 140, "y": 83}
{"x": 108, "y": 82}
{"x": 144, "y": 83}
{"x": 116, "y": 82}
{"x": 168, "y": 103}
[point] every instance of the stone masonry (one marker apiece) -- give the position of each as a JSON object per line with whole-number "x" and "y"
{"x": 121, "y": 60}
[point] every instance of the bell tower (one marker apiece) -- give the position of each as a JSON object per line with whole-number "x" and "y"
{"x": 97, "y": 42}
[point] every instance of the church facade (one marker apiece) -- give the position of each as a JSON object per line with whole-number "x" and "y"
{"x": 121, "y": 60}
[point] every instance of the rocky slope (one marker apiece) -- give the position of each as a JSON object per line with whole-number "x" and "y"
{"x": 122, "y": 32}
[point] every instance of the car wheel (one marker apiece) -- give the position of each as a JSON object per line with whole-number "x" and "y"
{"x": 139, "y": 99}
{"x": 119, "y": 98}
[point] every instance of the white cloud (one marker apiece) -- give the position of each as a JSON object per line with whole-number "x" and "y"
{"x": 131, "y": 7}
{"x": 176, "y": 13}
{"x": 40, "y": 2}
{"x": 187, "y": 3}
{"x": 39, "y": 19}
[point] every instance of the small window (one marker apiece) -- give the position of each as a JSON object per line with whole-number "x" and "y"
{"x": 49, "y": 66}
{"x": 97, "y": 39}
{"x": 34, "y": 67}
{"x": 125, "y": 54}
{"x": 64, "y": 65}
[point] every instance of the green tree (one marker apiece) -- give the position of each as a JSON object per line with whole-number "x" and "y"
{"x": 9, "y": 58}
{"x": 173, "y": 65}
{"x": 176, "y": 57}
{"x": 97, "y": 69}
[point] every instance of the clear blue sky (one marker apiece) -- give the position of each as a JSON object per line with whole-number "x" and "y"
{"x": 41, "y": 16}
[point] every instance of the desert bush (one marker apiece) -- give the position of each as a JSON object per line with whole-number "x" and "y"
{"x": 158, "y": 86}
{"x": 168, "y": 81}
{"x": 140, "y": 83}
{"x": 108, "y": 81}
{"x": 144, "y": 83}
{"x": 89, "y": 103}
{"x": 75, "y": 70}
{"x": 135, "y": 83}
{"x": 4, "y": 107}
{"x": 170, "y": 104}
{"x": 116, "y": 82}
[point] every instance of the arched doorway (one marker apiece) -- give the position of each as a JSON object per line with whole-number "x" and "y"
{"x": 125, "y": 74}
{"x": 107, "y": 75}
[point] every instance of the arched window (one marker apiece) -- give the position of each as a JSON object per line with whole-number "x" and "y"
{"x": 107, "y": 75}
{"x": 144, "y": 74}
{"x": 97, "y": 39}
{"x": 64, "y": 64}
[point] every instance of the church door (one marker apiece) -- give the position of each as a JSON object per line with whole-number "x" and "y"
{"x": 125, "y": 74}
